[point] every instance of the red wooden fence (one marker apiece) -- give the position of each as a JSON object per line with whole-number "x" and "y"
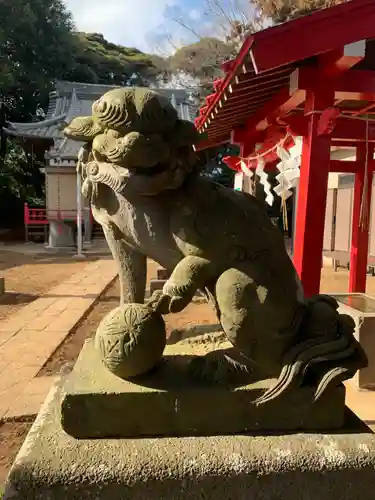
{"x": 41, "y": 216}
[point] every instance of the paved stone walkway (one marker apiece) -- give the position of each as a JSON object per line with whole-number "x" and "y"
{"x": 28, "y": 339}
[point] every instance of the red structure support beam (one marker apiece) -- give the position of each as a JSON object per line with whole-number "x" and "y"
{"x": 344, "y": 167}
{"x": 312, "y": 195}
{"x": 353, "y": 130}
{"x": 210, "y": 143}
{"x": 345, "y": 129}
{"x": 355, "y": 84}
{"x": 279, "y": 106}
{"x": 360, "y": 231}
{"x": 340, "y": 60}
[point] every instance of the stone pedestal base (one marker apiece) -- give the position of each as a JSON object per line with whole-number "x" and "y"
{"x": 60, "y": 235}
{"x": 52, "y": 465}
{"x": 99, "y": 404}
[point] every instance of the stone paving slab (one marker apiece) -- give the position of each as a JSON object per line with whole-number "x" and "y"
{"x": 29, "y": 338}
{"x": 31, "y": 399}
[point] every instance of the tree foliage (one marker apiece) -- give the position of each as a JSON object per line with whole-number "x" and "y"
{"x": 212, "y": 165}
{"x": 20, "y": 181}
{"x": 280, "y": 11}
{"x": 35, "y": 41}
{"x": 202, "y": 59}
{"x": 38, "y": 45}
{"x": 18, "y": 175}
{"x": 95, "y": 60}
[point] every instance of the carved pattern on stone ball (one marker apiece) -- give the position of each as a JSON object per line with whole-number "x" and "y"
{"x": 131, "y": 340}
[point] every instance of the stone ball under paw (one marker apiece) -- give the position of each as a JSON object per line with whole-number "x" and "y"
{"x": 131, "y": 340}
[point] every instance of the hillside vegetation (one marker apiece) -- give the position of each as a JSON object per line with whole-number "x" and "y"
{"x": 95, "y": 60}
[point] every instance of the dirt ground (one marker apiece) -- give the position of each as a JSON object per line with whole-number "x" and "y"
{"x": 199, "y": 312}
{"x": 27, "y": 277}
{"x": 13, "y": 434}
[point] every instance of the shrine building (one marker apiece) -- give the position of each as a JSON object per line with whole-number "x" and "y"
{"x": 299, "y": 99}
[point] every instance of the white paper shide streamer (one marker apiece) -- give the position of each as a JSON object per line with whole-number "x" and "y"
{"x": 263, "y": 179}
{"x": 289, "y": 169}
{"x": 238, "y": 181}
{"x": 246, "y": 170}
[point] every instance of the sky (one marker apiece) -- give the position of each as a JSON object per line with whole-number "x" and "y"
{"x": 144, "y": 24}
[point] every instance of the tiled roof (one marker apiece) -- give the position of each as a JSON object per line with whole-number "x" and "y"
{"x": 71, "y": 99}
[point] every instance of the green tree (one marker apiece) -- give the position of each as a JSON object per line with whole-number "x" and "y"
{"x": 95, "y": 60}
{"x": 35, "y": 41}
{"x": 202, "y": 59}
{"x": 20, "y": 181}
{"x": 19, "y": 176}
{"x": 212, "y": 165}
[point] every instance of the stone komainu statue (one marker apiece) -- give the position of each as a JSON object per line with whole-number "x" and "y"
{"x": 139, "y": 171}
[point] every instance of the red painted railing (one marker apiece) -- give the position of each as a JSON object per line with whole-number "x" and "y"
{"x": 42, "y": 216}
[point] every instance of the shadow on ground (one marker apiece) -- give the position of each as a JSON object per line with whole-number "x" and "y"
{"x": 12, "y": 298}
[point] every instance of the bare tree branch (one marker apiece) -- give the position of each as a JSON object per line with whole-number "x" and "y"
{"x": 188, "y": 28}
{"x": 229, "y": 22}
{"x": 216, "y": 8}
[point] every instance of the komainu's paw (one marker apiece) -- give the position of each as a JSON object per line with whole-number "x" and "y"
{"x": 160, "y": 302}
{"x": 218, "y": 368}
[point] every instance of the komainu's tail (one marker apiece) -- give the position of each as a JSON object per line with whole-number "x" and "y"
{"x": 326, "y": 355}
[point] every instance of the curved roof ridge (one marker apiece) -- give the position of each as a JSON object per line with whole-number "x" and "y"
{"x": 74, "y": 103}
{"x": 42, "y": 123}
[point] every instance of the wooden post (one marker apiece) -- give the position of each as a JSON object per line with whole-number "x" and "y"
{"x": 295, "y": 204}
{"x": 312, "y": 193}
{"x": 360, "y": 234}
{"x": 79, "y": 214}
{"x": 26, "y": 221}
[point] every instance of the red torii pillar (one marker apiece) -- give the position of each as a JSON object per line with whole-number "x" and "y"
{"x": 360, "y": 233}
{"x": 312, "y": 193}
